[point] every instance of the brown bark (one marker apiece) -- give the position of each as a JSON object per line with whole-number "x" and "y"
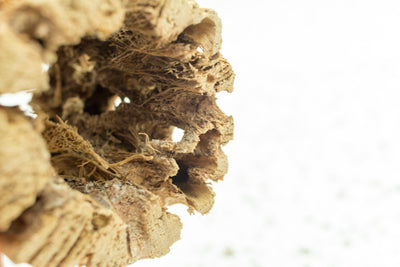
{"x": 86, "y": 182}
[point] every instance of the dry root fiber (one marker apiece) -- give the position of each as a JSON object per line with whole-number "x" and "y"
{"x": 88, "y": 182}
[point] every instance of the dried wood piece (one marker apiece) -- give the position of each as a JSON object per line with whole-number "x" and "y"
{"x": 104, "y": 174}
{"x": 65, "y": 227}
{"x": 24, "y": 168}
{"x": 19, "y": 59}
{"x": 32, "y": 30}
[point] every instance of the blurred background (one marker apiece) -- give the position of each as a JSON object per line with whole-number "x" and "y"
{"x": 314, "y": 175}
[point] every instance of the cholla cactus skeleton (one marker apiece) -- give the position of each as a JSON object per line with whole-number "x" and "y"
{"x": 87, "y": 182}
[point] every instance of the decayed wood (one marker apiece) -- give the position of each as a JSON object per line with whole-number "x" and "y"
{"x": 87, "y": 182}
{"x": 25, "y": 167}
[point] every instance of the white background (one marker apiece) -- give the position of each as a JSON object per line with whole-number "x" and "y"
{"x": 314, "y": 176}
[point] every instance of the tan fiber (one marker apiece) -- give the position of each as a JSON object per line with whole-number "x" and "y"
{"x": 87, "y": 181}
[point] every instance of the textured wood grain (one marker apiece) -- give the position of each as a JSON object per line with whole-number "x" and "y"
{"x": 87, "y": 182}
